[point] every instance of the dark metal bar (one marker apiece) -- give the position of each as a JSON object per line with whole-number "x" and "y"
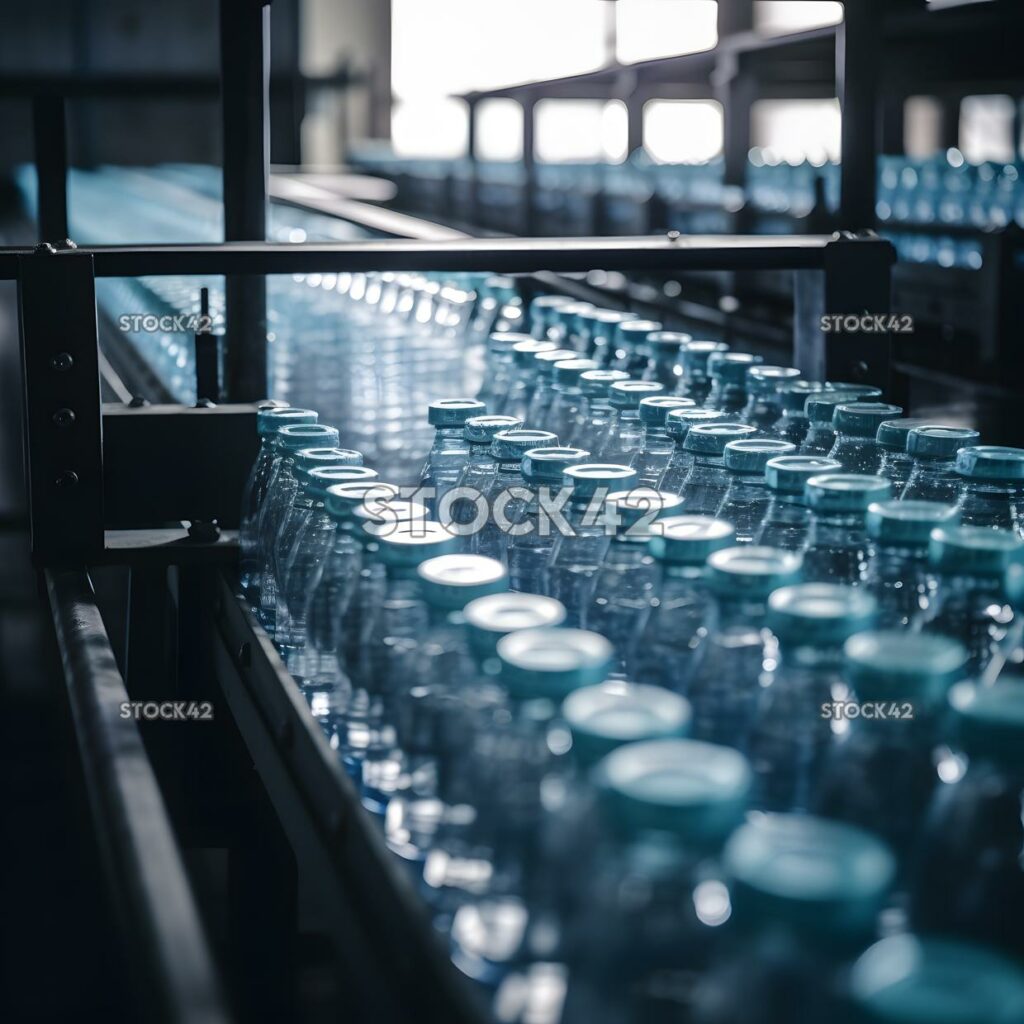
{"x": 207, "y": 355}
{"x": 177, "y": 982}
{"x": 51, "y": 157}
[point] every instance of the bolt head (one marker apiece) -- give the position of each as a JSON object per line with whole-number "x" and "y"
{"x": 62, "y": 361}
{"x": 69, "y": 478}
{"x": 64, "y": 417}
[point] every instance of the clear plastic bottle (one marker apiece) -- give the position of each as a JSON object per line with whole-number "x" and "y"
{"x": 993, "y": 490}
{"x": 458, "y": 506}
{"x": 696, "y": 383}
{"x": 933, "y": 475}
{"x": 630, "y": 342}
{"x": 791, "y": 735}
{"x": 563, "y": 416}
{"x": 740, "y": 653}
{"x": 523, "y": 381}
{"x": 787, "y": 519}
{"x": 837, "y": 541}
{"x": 573, "y": 326}
{"x": 604, "y": 324}
{"x": 672, "y": 641}
{"x": 625, "y": 434}
{"x": 544, "y": 391}
{"x": 820, "y": 438}
{"x": 792, "y": 424}
{"x": 582, "y": 540}
{"x": 664, "y": 355}
{"x": 746, "y": 499}
{"x": 656, "y": 447}
{"x": 898, "y": 574}
{"x": 973, "y": 604}
{"x": 764, "y": 403}
{"x": 892, "y": 439}
{"x": 969, "y": 879}
{"x": 728, "y": 373}
{"x": 543, "y": 314}
{"x": 595, "y": 408}
{"x": 680, "y": 460}
{"x": 881, "y": 774}
{"x": 450, "y": 451}
{"x": 707, "y": 481}
{"x": 499, "y": 369}
{"x": 805, "y": 895}
{"x": 856, "y": 425}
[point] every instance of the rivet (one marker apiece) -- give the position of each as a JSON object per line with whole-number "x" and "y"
{"x": 64, "y": 417}
{"x": 67, "y": 479}
{"x": 62, "y": 362}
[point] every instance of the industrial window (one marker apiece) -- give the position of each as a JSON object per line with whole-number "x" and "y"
{"x": 796, "y": 130}
{"x": 646, "y": 29}
{"x": 683, "y": 131}
{"x": 777, "y": 17}
{"x": 986, "y": 128}
{"x": 499, "y": 130}
{"x": 580, "y": 130}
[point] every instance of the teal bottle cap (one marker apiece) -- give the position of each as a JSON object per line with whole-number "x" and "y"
{"x": 896, "y": 665}
{"x": 908, "y": 522}
{"x": 587, "y": 478}
{"x": 610, "y": 318}
{"x": 631, "y": 333}
{"x": 731, "y": 367}
{"x": 696, "y": 354}
{"x": 751, "y": 455}
{"x": 626, "y": 394}
{"x": 626, "y": 511}
{"x": 542, "y": 306}
{"x": 911, "y": 979}
{"x": 306, "y": 435}
{"x": 988, "y": 721}
{"x": 572, "y": 313}
{"x": 450, "y": 582}
{"x": 309, "y": 458}
{"x": 862, "y": 419}
{"x": 378, "y": 517}
{"x": 569, "y": 371}
{"x": 596, "y": 383}
{"x": 974, "y": 549}
{"x": 845, "y": 492}
{"x": 512, "y": 445}
{"x": 654, "y": 409}
{"x": 524, "y": 351}
{"x": 939, "y": 442}
{"x": 864, "y": 392}
{"x": 490, "y": 618}
{"x": 679, "y": 421}
{"x": 547, "y": 465}
{"x": 268, "y": 420}
{"x": 506, "y": 341}
{"x": 767, "y": 380}
{"x": 453, "y": 412}
{"x": 752, "y": 572}
{"x": 820, "y": 407}
{"x": 318, "y": 478}
{"x": 553, "y": 662}
{"x": 711, "y": 438}
{"x": 604, "y": 717}
{"x": 545, "y": 361}
{"x": 696, "y": 790}
{"x": 820, "y": 614}
{"x": 662, "y": 344}
{"x": 481, "y": 429}
{"x": 820, "y": 877}
{"x": 688, "y": 540}
{"x": 991, "y": 462}
{"x": 892, "y": 434}
{"x": 790, "y": 473}
{"x": 410, "y": 542}
{"x": 341, "y": 500}
{"x": 794, "y": 394}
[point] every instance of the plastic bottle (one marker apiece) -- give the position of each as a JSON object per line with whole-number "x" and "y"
{"x": 680, "y": 460}
{"x": 707, "y": 481}
{"x": 896, "y": 464}
{"x": 696, "y": 383}
{"x": 820, "y": 437}
{"x": 499, "y": 369}
{"x": 792, "y": 424}
{"x": 664, "y": 355}
{"x": 630, "y": 342}
{"x": 792, "y": 735}
{"x": 787, "y": 519}
{"x": 764, "y": 403}
{"x": 604, "y": 324}
{"x": 524, "y": 378}
{"x": 563, "y": 416}
{"x": 573, "y": 326}
{"x": 458, "y": 506}
{"x": 746, "y": 499}
{"x": 624, "y": 436}
{"x": 856, "y": 425}
{"x": 543, "y": 391}
{"x": 728, "y": 373}
{"x": 543, "y": 311}
{"x": 656, "y": 447}
{"x": 595, "y": 408}
{"x": 450, "y": 451}
{"x": 993, "y": 491}
{"x": 933, "y": 475}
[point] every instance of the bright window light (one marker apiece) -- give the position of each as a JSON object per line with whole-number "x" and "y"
{"x": 777, "y": 17}
{"x": 796, "y": 130}
{"x": 580, "y": 130}
{"x": 682, "y": 131}
{"x": 662, "y": 28}
{"x": 986, "y": 128}
{"x": 431, "y": 127}
{"x": 499, "y": 130}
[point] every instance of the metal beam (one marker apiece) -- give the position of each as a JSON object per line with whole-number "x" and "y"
{"x": 51, "y": 157}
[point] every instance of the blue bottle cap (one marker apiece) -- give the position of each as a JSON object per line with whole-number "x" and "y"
{"x": 481, "y": 429}
{"x": 553, "y": 662}
{"x": 892, "y": 434}
{"x": 268, "y": 420}
{"x": 318, "y": 478}
{"x": 625, "y": 509}
{"x": 679, "y": 421}
{"x": 512, "y": 445}
{"x": 845, "y": 492}
{"x": 453, "y": 412}
{"x": 662, "y": 344}
{"x": 309, "y": 458}
{"x": 596, "y": 383}
{"x": 988, "y": 721}
{"x": 572, "y": 313}
{"x": 491, "y": 618}
{"x": 754, "y": 572}
{"x": 654, "y": 409}
{"x": 305, "y": 435}
{"x": 342, "y": 499}
{"x": 688, "y": 540}
{"x": 410, "y": 542}
{"x": 820, "y": 614}
{"x": 864, "y": 392}
{"x": 696, "y": 354}
{"x": 974, "y": 549}
{"x": 547, "y": 465}
{"x": 751, "y": 455}
{"x": 790, "y": 473}
{"x": 731, "y": 367}
{"x": 609, "y": 319}
{"x": 820, "y": 877}
{"x": 794, "y": 395}
{"x": 542, "y": 306}
{"x": 545, "y": 361}
{"x": 908, "y": 522}
{"x": 861, "y": 419}
{"x": 711, "y": 438}
{"x": 604, "y": 717}
{"x": 696, "y": 790}
{"x": 767, "y": 380}
{"x": 569, "y": 371}
{"x": 911, "y": 979}
{"x": 939, "y": 442}
{"x": 587, "y": 478}
{"x": 897, "y": 665}
{"x": 524, "y": 351}
{"x": 626, "y": 394}
{"x": 991, "y": 462}
{"x": 505, "y": 341}
{"x": 631, "y": 333}
{"x": 450, "y": 582}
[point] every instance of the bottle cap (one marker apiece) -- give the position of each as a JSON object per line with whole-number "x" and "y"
{"x": 861, "y": 419}
{"x": 820, "y": 614}
{"x": 412, "y": 541}
{"x": 731, "y": 367}
{"x": 892, "y": 434}
{"x": 688, "y": 540}
{"x": 309, "y": 458}
{"x": 845, "y": 492}
{"x": 679, "y": 421}
{"x": 751, "y": 455}
{"x": 597, "y": 382}
{"x": 864, "y": 392}
{"x": 553, "y": 662}
{"x": 481, "y": 429}
{"x": 491, "y": 618}
{"x": 897, "y": 664}
{"x": 751, "y": 571}
{"x": 631, "y": 333}
{"x": 342, "y": 499}
{"x": 991, "y": 462}
{"x": 453, "y": 412}
{"x": 974, "y": 549}
{"x": 268, "y": 420}
{"x": 306, "y": 435}
{"x": 711, "y": 438}
{"x": 545, "y": 361}
{"x": 767, "y": 380}
{"x": 543, "y": 306}
{"x": 512, "y": 445}
{"x": 317, "y": 479}
{"x": 793, "y": 395}
{"x": 626, "y": 394}
{"x": 626, "y": 509}
{"x": 821, "y": 406}
{"x": 587, "y": 478}
{"x": 790, "y": 473}
{"x": 546, "y": 465}
{"x": 696, "y": 354}
{"x": 505, "y": 341}
{"x": 524, "y": 351}
{"x": 654, "y": 409}
{"x": 988, "y": 721}
{"x": 908, "y": 522}
{"x": 450, "y": 582}
{"x": 663, "y": 344}
{"x": 939, "y": 442}
{"x": 569, "y": 371}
